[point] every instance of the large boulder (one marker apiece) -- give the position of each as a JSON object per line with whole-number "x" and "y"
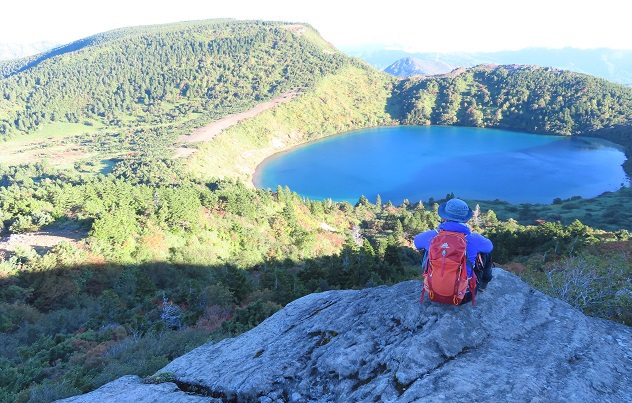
{"x": 380, "y": 344}
{"x": 131, "y": 388}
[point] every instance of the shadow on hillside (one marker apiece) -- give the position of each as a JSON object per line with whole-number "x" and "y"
{"x": 109, "y": 319}
{"x": 141, "y": 286}
{"x": 395, "y": 103}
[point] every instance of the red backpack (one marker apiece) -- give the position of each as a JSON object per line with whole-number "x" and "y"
{"x": 445, "y": 269}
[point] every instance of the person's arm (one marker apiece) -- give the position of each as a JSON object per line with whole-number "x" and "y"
{"x": 483, "y": 248}
{"x": 422, "y": 240}
{"x": 422, "y": 243}
{"x": 486, "y": 269}
{"x": 482, "y": 244}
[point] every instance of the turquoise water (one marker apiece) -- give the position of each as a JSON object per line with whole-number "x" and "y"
{"x": 420, "y": 162}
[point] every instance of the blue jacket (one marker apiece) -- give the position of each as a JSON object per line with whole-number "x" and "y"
{"x": 475, "y": 242}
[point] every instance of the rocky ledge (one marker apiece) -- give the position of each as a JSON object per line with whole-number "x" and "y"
{"x": 380, "y": 344}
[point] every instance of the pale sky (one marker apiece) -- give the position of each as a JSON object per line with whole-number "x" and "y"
{"x": 413, "y": 25}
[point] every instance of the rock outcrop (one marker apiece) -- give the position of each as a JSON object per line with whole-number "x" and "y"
{"x": 132, "y": 388}
{"x": 380, "y": 344}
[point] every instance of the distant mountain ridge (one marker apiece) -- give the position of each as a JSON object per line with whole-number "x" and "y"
{"x": 613, "y": 65}
{"x": 409, "y": 66}
{"x": 15, "y": 66}
{"x": 9, "y": 51}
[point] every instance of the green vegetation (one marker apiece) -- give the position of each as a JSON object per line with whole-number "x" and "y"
{"x": 176, "y": 252}
{"x": 156, "y": 75}
{"x": 590, "y": 269}
{"x": 140, "y": 89}
{"x": 166, "y": 268}
{"x": 532, "y": 99}
{"x": 352, "y": 99}
{"x": 610, "y": 211}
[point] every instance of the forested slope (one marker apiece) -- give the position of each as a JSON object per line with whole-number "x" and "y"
{"x": 528, "y": 98}
{"x": 166, "y": 78}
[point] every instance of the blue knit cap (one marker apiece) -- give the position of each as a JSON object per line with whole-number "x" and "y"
{"x": 455, "y": 210}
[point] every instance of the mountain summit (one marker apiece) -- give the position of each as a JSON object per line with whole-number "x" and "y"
{"x": 409, "y": 66}
{"x": 380, "y": 344}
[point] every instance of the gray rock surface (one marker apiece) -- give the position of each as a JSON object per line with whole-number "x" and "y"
{"x": 380, "y": 344}
{"x": 131, "y": 388}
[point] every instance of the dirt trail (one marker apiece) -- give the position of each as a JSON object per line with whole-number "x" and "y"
{"x": 209, "y": 131}
{"x": 40, "y": 241}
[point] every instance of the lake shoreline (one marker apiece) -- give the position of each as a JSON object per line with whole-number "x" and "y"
{"x": 501, "y": 136}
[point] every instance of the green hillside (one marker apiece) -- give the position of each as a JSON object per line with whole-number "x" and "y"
{"x": 140, "y": 88}
{"x": 353, "y": 98}
{"x": 161, "y": 254}
{"x": 526, "y": 98}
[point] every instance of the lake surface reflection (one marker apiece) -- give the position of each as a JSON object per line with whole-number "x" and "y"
{"x": 420, "y": 162}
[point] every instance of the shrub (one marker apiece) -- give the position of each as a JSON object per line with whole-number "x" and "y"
{"x": 160, "y": 377}
{"x": 13, "y": 315}
{"x": 597, "y": 285}
{"x": 22, "y": 224}
{"x": 250, "y": 316}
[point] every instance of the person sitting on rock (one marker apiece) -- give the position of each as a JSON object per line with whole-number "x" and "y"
{"x": 455, "y": 213}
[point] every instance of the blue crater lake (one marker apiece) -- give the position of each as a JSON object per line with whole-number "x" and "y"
{"x": 422, "y": 162}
